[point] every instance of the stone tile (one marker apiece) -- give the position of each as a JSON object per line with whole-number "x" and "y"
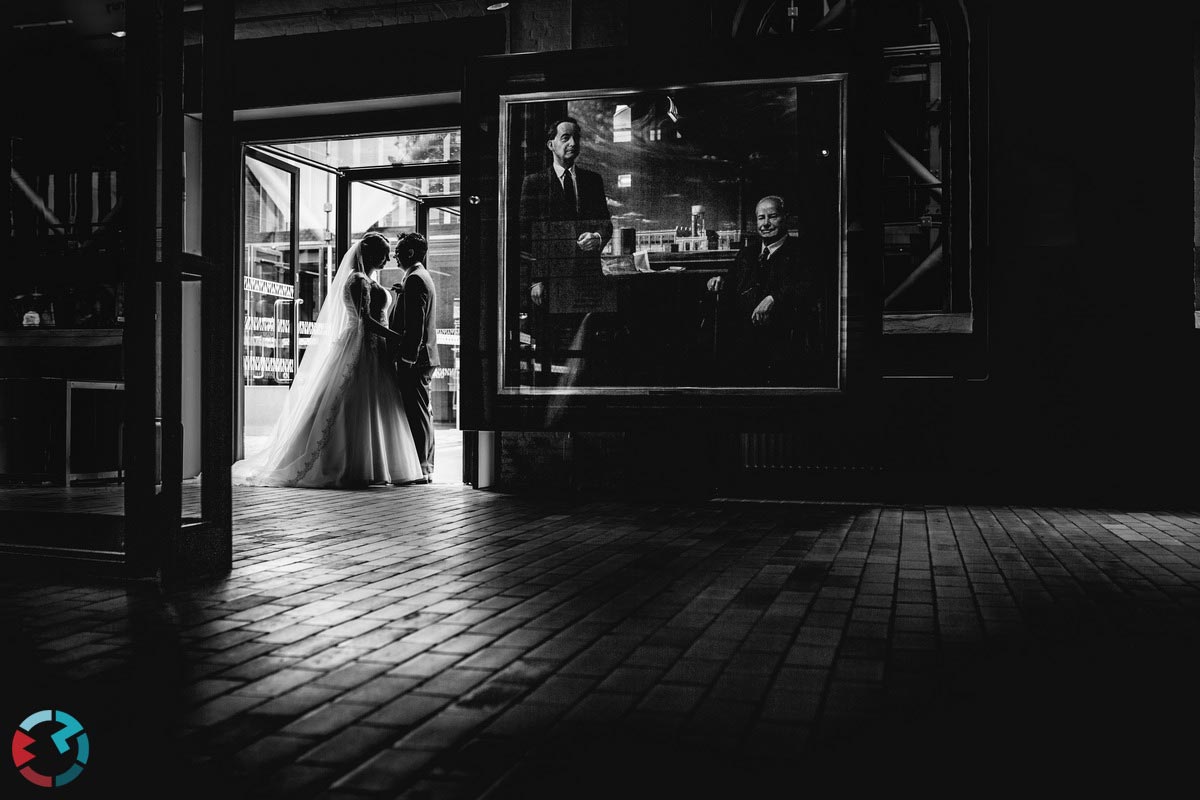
{"x": 387, "y": 772}
{"x": 492, "y": 658}
{"x": 271, "y": 752}
{"x": 379, "y": 690}
{"x": 694, "y": 671}
{"x": 406, "y": 710}
{"x": 560, "y": 691}
{"x": 454, "y": 682}
{"x": 671, "y": 699}
{"x": 464, "y": 644}
{"x": 276, "y": 683}
{"x": 630, "y": 680}
{"x": 326, "y": 720}
{"x": 445, "y": 729}
{"x": 298, "y": 701}
{"x": 350, "y": 746}
{"x": 351, "y": 675}
{"x": 425, "y": 665}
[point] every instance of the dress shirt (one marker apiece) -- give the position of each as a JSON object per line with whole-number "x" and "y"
{"x": 769, "y": 250}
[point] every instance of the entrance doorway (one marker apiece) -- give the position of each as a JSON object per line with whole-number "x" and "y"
{"x": 304, "y": 204}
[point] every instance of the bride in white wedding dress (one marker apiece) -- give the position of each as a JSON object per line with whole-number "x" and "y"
{"x": 343, "y": 424}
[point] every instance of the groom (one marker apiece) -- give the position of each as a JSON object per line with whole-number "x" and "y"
{"x": 416, "y": 355}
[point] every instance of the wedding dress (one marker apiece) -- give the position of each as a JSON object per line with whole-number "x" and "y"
{"x": 343, "y": 423}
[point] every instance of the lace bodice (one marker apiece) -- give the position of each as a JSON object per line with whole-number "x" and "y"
{"x": 376, "y": 298}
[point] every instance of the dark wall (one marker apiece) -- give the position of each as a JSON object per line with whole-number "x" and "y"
{"x": 357, "y": 64}
{"x": 1093, "y": 357}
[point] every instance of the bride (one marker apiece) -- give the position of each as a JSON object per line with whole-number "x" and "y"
{"x": 343, "y": 424}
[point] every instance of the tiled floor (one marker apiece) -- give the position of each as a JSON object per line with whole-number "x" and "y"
{"x": 435, "y": 641}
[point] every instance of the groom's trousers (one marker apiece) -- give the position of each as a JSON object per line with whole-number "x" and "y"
{"x": 414, "y": 391}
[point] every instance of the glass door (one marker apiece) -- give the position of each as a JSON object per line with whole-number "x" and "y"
{"x": 440, "y": 224}
{"x": 270, "y": 291}
{"x": 375, "y": 204}
{"x": 401, "y": 199}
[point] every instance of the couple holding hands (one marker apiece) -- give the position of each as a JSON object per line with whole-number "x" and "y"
{"x": 358, "y": 411}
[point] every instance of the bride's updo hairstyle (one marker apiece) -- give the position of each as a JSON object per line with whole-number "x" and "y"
{"x": 374, "y": 249}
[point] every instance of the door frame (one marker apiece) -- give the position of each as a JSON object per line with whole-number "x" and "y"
{"x": 371, "y": 175}
{"x": 409, "y": 116}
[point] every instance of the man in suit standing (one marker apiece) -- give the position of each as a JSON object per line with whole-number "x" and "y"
{"x": 565, "y": 224}
{"x": 416, "y": 355}
{"x": 775, "y": 331}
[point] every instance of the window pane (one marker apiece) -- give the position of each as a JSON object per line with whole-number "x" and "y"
{"x": 374, "y": 206}
{"x": 650, "y": 275}
{"x": 379, "y": 151}
{"x": 917, "y": 241}
{"x": 267, "y": 356}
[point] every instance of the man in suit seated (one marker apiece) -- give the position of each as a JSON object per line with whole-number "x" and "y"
{"x": 773, "y": 330}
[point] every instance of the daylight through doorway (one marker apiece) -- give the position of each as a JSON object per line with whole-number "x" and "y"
{"x": 304, "y": 204}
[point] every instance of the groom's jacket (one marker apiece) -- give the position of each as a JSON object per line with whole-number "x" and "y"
{"x": 413, "y": 318}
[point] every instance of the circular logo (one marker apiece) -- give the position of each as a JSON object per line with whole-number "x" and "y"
{"x": 50, "y": 748}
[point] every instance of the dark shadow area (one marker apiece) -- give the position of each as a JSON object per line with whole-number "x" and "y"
{"x": 128, "y": 703}
{"x": 1109, "y": 711}
{"x": 62, "y": 530}
{"x": 1104, "y": 714}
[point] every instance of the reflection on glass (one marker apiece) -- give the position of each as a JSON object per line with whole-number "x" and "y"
{"x": 384, "y": 207}
{"x": 267, "y": 357}
{"x": 917, "y": 276}
{"x": 406, "y": 148}
{"x": 380, "y": 206}
{"x": 436, "y": 186}
{"x": 443, "y": 264}
{"x": 640, "y": 267}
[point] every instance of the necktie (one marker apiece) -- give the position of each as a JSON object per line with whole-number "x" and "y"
{"x": 762, "y": 277}
{"x": 569, "y": 195}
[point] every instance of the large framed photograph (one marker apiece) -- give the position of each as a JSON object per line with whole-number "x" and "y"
{"x": 681, "y": 237}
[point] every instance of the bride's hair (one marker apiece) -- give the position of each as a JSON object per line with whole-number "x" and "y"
{"x": 374, "y": 249}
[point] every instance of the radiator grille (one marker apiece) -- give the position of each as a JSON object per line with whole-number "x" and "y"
{"x": 774, "y": 451}
{"x": 769, "y": 451}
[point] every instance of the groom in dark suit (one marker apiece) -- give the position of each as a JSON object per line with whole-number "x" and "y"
{"x": 565, "y": 224}
{"x": 416, "y": 355}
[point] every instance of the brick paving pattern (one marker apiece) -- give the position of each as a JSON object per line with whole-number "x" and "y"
{"x": 439, "y": 642}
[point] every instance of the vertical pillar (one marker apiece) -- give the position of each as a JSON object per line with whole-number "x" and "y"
{"x": 143, "y": 62}
{"x": 219, "y": 286}
{"x": 171, "y": 289}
